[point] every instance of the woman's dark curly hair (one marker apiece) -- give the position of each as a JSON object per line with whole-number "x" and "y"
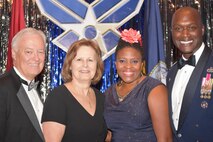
{"x": 123, "y": 44}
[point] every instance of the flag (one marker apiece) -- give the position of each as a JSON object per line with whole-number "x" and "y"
{"x": 153, "y": 41}
{"x": 17, "y": 23}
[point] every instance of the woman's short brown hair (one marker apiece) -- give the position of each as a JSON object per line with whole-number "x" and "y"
{"x": 71, "y": 54}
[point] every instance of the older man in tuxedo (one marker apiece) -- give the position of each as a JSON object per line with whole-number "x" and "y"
{"x": 190, "y": 80}
{"x": 20, "y": 105}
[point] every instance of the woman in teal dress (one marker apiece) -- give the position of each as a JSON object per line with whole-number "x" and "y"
{"x": 136, "y": 108}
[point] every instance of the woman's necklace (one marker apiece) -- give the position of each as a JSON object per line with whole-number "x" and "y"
{"x": 86, "y": 95}
{"x": 119, "y": 86}
{"x": 121, "y": 98}
{"x": 90, "y": 104}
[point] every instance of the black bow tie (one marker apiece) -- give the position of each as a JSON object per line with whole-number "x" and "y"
{"x": 31, "y": 85}
{"x": 191, "y": 61}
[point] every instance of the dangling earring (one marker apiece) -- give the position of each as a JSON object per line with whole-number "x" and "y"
{"x": 120, "y": 83}
{"x": 143, "y": 72}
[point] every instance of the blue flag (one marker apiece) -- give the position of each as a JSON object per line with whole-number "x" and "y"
{"x": 153, "y": 41}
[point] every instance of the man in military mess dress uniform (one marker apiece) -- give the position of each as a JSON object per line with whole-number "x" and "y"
{"x": 190, "y": 80}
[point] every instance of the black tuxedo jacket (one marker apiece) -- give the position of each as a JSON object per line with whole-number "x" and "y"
{"x": 18, "y": 121}
{"x": 196, "y": 115}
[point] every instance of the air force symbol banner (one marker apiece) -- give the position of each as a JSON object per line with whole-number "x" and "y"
{"x": 98, "y": 20}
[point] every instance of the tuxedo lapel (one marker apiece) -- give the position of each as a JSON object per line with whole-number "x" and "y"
{"x": 171, "y": 78}
{"x": 170, "y": 82}
{"x": 192, "y": 84}
{"x": 24, "y": 100}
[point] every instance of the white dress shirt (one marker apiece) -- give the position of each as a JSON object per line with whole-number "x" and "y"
{"x": 33, "y": 97}
{"x": 179, "y": 86}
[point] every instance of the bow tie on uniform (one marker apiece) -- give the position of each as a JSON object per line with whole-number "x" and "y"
{"x": 31, "y": 85}
{"x": 191, "y": 61}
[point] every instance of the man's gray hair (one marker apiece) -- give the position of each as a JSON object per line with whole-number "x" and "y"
{"x": 24, "y": 31}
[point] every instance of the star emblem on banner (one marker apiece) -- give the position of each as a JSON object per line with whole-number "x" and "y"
{"x": 99, "y": 20}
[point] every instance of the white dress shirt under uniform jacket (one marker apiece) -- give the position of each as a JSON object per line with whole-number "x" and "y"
{"x": 180, "y": 83}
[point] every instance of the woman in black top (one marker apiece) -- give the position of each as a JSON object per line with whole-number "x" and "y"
{"x": 73, "y": 112}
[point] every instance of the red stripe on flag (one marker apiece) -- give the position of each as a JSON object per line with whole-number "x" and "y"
{"x": 17, "y": 23}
